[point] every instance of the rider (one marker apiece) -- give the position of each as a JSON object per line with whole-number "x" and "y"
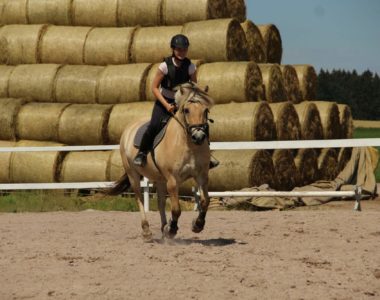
{"x": 174, "y": 70}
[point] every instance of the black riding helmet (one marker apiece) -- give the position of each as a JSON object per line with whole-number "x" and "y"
{"x": 179, "y": 41}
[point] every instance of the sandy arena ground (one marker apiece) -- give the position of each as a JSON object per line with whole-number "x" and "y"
{"x": 328, "y": 253}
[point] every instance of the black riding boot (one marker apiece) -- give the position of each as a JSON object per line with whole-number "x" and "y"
{"x": 146, "y": 145}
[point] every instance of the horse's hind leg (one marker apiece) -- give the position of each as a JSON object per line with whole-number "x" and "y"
{"x": 161, "y": 199}
{"x": 134, "y": 178}
{"x": 171, "y": 229}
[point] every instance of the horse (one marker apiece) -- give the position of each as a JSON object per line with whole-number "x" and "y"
{"x": 183, "y": 153}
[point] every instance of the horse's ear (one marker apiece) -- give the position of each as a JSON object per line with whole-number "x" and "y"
{"x": 181, "y": 90}
{"x": 206, "y": 89}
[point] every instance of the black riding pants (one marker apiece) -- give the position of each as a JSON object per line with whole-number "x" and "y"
{"x": 159, "y": 118}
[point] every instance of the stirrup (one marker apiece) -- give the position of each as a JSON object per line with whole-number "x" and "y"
{"x": 213, "y": 164}
{"x": 140, "y": 159}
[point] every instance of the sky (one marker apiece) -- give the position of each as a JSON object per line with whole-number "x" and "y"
{"x": 328, "y": 34}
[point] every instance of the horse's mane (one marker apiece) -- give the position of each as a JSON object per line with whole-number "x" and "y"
{"x": 184, "y": 91}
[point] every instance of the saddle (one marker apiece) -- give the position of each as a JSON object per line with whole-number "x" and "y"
{"x": 157, "y": 140}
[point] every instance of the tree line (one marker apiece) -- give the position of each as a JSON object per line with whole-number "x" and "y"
{"x": 360, "y": 92}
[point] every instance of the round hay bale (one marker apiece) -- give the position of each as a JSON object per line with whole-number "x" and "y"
{"x": 236, "y": 9}
{"x": 9, "y": 108}
{"x": 252, "y": 121}
{"x": 273, "y": 83}
{"x": 5, "y": 162}
{"x": 292, "y": 85}
{"x": 329, "y": 113}
{"x": 57, "y": 12}
{"x": 39, "y": 121}
{"x": 13, "y": 12}
{"x": 122, "y": 84}
{"x": 232, "y": 81}
{"x": 256, "y": 46}
{"x": 90, "y": 166}
{"x": 34, "y": 82}
{"x": 77, "y": 84}
{"x": 152, "y": 44}
{"x": 123, "y": 115}
{"x": 306, "y": 163}
{"x": 64, "y": 45}
{"x": 178, "y": 12}
{"x": 225, "y": 35}
{"x": 287, "y": 123}
{"x": 273, "y": 43}
{"x": 308, "y": 80}
{"x": 5, "y": 73}
{"x": 139, "y": 12}
{"x": 344, "y": 157}
{"x": 35, "y": 167}
{"x": 241, "y": 169}
{"x": 328, "y": 164}
{"x": 20, "y": 43}
{"x": 115, "y": 167}
{"x": 84, "y": 124}
{"x": 285, "y": 170}
{"x": 108, "y": 46}
{"x": 346, "y": 122}
{"x": 311, "y": 124}
{"x": 99, "y": 13}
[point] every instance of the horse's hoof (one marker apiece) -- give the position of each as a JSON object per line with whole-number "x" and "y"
{"x": 198, "y": 225}
{"x": 147, "y": 236}
{"x": 169, "y": 232}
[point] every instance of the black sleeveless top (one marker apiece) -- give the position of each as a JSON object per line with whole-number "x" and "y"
{"x": 176, "y": 75}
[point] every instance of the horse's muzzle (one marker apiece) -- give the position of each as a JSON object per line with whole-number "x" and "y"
{"x": 198, "y": 136}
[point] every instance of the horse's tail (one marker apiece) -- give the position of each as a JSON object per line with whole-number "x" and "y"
{"x": 120, "y": 186}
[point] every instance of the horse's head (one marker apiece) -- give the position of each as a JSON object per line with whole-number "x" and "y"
{"x": 194, "y": 106}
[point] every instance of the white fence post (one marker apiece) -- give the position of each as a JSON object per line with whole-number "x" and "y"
{"x": 145, "y": 185}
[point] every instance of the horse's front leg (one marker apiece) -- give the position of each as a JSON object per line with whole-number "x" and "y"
{"x": 199, "y": 223}
{"x": 170, "y": 230}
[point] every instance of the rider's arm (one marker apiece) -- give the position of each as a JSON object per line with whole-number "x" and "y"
{"x": 156, "y": 91}
{"x": 194, "y": 77}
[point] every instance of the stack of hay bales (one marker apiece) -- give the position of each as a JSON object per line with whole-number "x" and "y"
{"x": 77, "y": 72}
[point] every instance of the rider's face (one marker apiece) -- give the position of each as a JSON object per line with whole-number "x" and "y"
{"x": 181, "y": 53}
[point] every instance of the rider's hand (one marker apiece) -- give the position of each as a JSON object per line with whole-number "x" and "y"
{"x": 171, "y": 108}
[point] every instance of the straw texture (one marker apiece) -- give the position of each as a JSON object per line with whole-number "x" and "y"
{"x": 241, "y": 169}
{"x": 287, "y": 123}
{"x": 5, "y": 73}
{"x": 232, "y": 81}
{"x": 77, "y": 84}
{"x": 9, "y": 108}
{"x": 285, "y": 170}
{"x": 57, "y": 12}
{"x": 90, "y": 166}
{"x": 225, "y": 35}
{"x": 82, "y": 124}
{"x": 122, "y": 84}
{"x": 123, "y": 115}
{"x": 19, "y": 43}
{"x": 115, "y": 166}
{"x": 328, "y": 164}
{"x": 306, "y": 163}
{"x": 35, "y": 167}
{"x": 256, "y": 45}
{"x": 152, "y": 44}
{"x": 311, "y": 124}
{"x": 346, "y": 121}
{"x": 39, "y": 121}
{"x": 292, "y": 85}
{"x": 242, "y": 122}
{"x": 178, "y": 12}
{"x": 236, "y": 9}
{"x": 64, "y": 45}
{"x": 344, "y": 157}
{"x": 35, "y": 82}
{"x": 139, "y": 12}
{"x": 329, "y": 113}
{"x": 5, "y": 162}
{"x": 308, "y": 80}
{"x": 99, "y": 13}
{"x": 273, "y": 43}
{"x": 273, "y": 82}
{"x": 108, "y": 46}
{"x": 13, "y": 12}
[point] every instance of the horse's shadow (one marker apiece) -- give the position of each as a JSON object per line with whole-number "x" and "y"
{"x": 219, "y": 242}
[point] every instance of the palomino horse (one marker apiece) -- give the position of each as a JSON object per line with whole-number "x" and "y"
{"x": 183, "y": 153}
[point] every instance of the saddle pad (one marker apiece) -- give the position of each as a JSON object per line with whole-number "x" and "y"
{"x": 140, "y": 132}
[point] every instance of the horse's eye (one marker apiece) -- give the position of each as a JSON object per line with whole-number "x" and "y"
{"x": 186, "y": 111}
